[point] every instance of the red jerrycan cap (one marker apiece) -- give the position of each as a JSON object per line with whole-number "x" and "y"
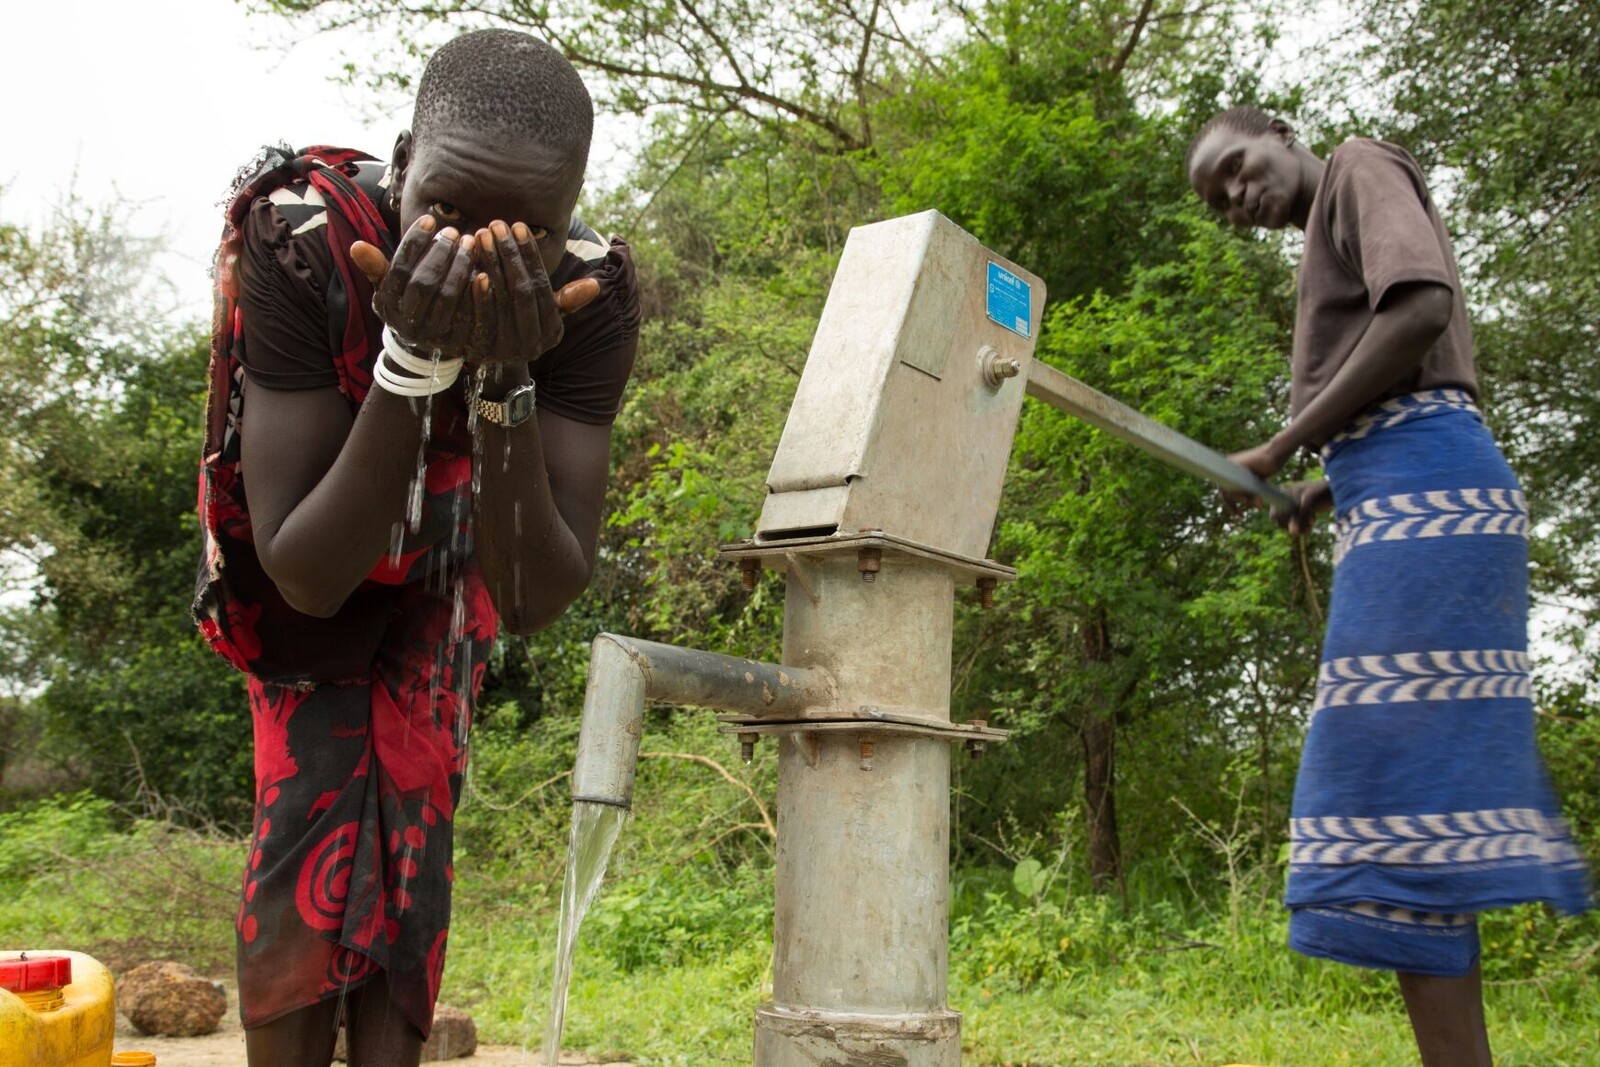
{"x": 29, "y": 974}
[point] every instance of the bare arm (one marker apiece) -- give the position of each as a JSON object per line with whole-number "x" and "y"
{"x": 537, "y": 514}
{"x": 1410, "y": 320}
{"x": 326, "y": 488}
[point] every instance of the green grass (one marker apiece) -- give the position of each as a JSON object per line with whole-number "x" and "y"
{"x": 677, "y": 952}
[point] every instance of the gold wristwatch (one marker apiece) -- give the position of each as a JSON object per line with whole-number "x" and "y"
{"x": 514, "y": 410}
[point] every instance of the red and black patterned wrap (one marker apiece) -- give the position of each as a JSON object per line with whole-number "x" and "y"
{"x": 360, "y": 720}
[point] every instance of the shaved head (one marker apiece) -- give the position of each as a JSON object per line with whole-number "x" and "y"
{"x": 508, "y": 84}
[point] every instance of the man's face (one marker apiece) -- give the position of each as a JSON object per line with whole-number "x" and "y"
{"x": 1253, "y": 180}
{"x": 468, "y": 179}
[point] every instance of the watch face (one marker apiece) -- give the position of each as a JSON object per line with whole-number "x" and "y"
{"x": 519, "y": 406}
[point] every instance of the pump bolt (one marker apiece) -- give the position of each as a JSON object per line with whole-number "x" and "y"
{"x": 986, "y": 591}
{"x": 866, "y": 754}
{"x": 747, "y": 746}
{"x": 869, "y": 561}
{"x": 996, "y": 368}
{"x": 977, "y": 745}
{"x": 749, "y": 570}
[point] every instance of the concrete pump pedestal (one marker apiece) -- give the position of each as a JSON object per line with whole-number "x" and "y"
{"x": 881, "y": 501}
{"x": 819, "y": 1038}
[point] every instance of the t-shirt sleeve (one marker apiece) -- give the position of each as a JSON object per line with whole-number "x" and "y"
{"x": 1380, "y": 224}
{"x": 282, "y": 286}
{"x": 583, "y": 377}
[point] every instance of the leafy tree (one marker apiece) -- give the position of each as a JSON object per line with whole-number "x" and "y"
{"x": 135, "y": 698}
{"x": 1136, "y": 637}
{"x": 97, "y": 484}
{"x": 818, "y": 67}
{"x": 1502, "y": 99}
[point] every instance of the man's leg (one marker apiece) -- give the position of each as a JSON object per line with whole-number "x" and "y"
{"x": 1447, "y": 1018}
{"x": 377, "y": 1033}
{"x": 302, "y": 1038}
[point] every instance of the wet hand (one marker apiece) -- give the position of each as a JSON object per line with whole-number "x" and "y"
{"x": 516, "y": 316}
{"x": 423, "y": 295}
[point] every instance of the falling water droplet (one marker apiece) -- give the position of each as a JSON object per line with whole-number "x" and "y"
{"x": 458, "y": 520}
{"x": 414, "y": 502}
{"x": 474, "y": 391}
{"x": 458, "y": 613}
{"x": 516, "y": 584}
{"x": 516, "y": 517}
{"x": 419, "y": 483}
{"x": 463, "y": 721}
{"x": 397, "y": 537}
{"x": 477, "y": 463}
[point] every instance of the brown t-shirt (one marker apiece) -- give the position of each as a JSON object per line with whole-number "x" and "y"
{"x": 290, "y": 337}
{"x": 1372, "y": 226}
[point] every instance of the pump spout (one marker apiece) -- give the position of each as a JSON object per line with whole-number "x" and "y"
{"x": 625, "y": 672}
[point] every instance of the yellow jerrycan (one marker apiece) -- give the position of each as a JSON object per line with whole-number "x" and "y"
{"x": 56, "y": 1010}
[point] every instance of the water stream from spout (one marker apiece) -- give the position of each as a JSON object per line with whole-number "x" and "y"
{"x": 594, "y": 832}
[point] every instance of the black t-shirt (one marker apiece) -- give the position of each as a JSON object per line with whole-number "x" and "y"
{"x": 288, "y": 342}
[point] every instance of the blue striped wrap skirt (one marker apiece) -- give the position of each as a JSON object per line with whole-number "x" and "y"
{"x": 1421, "y": 798}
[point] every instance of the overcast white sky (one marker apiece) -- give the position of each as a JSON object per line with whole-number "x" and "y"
{"x": 161, "y": 101}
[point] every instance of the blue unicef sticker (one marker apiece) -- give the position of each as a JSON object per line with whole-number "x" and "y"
{"x": 1010, "y": 300}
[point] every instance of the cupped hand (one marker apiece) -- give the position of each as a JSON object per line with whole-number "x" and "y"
{"x": 516, "y": 315}
{"x": 423, "y": 295}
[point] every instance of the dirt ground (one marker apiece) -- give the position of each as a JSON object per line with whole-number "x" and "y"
{"x": 225, "y": 1048}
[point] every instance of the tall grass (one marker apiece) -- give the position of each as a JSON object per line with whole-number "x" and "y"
{"x": 1190, "y": 968}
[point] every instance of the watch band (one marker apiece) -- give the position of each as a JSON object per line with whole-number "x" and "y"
{"x": 517, "y": 407}
{"x": 514, "y": 410}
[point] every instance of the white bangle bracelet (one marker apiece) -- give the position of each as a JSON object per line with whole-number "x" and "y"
{"x": 434, "y": 375}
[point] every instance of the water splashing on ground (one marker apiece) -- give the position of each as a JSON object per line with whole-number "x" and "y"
{"x": 594, "y": 833}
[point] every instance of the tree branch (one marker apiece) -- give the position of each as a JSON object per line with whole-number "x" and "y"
{"x": 692, "y": 757}
{"x": 844, "y": 137}
{"x": 1139, "y": 22}
{"x": 716, "y": 39}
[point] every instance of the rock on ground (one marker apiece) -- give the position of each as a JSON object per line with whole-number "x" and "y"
{"x": 225, "y": 1048}
{"x": 170, "y": 999}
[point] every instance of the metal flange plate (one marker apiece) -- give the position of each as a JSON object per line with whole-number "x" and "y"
{"x": 842, "y": 543}
{"x": 951, "y": 731}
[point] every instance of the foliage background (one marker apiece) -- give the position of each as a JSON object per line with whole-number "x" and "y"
{"x": 1116, "y": 866}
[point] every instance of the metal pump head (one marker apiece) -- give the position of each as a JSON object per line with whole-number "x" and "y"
{"x": 905, "y": 413}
